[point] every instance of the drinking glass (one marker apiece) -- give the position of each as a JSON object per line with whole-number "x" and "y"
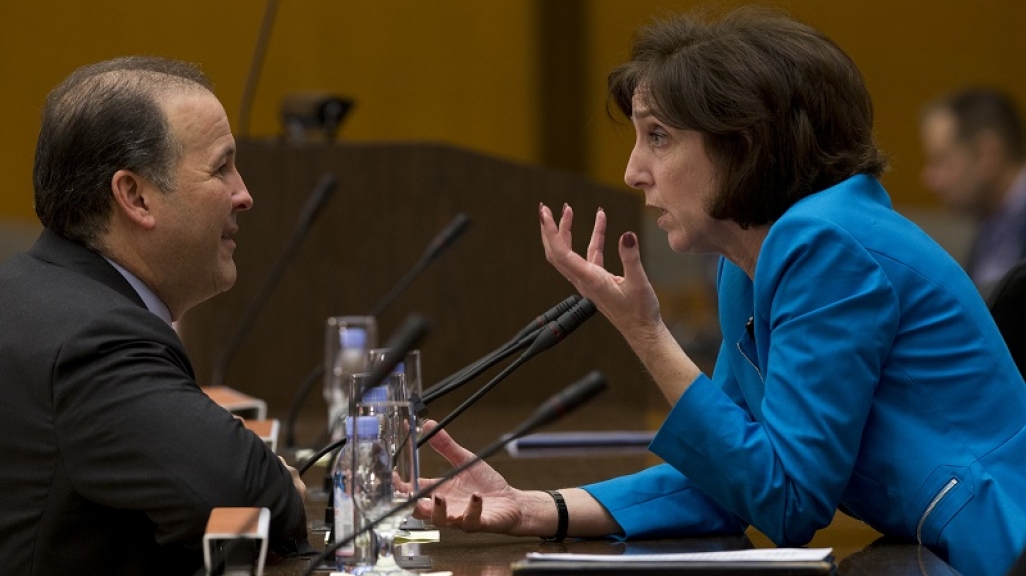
{"x": 410, "y": 389}
{"x": 386, "y": 475}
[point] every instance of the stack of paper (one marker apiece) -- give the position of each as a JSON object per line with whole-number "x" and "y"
{"x": 770, "y": 561}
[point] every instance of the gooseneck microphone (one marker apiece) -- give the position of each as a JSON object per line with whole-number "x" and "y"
{"x": 438, "y": 245}
{"x": 399, "y": 345}
{"x": 405, "y": 339}
{"x": 314, "y": 203}
{"x": 255, "y": 66}
{"x": 515, "y": 344}
{"x": 547, "y": 337}
{"x": 557, "y": 406}
{"x": 538, "y": 340}
{"x": 560, "y": 328}
{"x": 548, "y": 316}
{"x": 560, "y": 404}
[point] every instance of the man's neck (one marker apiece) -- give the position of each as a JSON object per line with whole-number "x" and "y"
{"x": 149, "y": 297}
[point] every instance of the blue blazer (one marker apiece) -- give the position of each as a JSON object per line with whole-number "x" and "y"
{"x": 862, "y": 370}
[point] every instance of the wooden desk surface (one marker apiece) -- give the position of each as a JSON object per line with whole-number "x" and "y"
{"x": 493, "y": 555}
{"x": 858, "y": 550}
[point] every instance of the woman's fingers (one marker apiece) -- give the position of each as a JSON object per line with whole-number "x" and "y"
{"x": 549, "y": 232}
{"x": 556, "y": 238}
{"x": 566, "y": 224}
{"x": 439, "y": 516}
{"x": 446, "y": 446}
{"x": 472, "y": 515}
{"x": 630, "y": 257}
{"x": 437, "y": 510}
{"x": 598, "y": 239}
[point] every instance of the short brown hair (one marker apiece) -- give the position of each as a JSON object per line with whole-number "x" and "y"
{"x": 783, "y": 110}
{"x": 103, "y": 118}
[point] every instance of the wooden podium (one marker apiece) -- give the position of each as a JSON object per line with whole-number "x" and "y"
{"x": 391, "y": 200}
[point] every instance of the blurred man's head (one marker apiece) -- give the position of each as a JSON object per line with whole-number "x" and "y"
{"x": 973, "y": 144}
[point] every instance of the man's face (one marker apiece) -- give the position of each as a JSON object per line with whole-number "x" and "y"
{"x": 952, "y": 168}
{"x": 196, "y": 221}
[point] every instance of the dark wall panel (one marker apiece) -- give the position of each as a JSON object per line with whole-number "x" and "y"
{"x": 390, "y": 202}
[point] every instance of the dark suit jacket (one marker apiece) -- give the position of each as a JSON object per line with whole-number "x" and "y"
{"x": 1008, "y": 307}
{"x": 111, "y": 457}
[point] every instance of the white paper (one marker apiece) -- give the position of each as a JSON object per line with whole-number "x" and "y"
{"x": 754, "y": 555}
{"x": 411, "y": 536}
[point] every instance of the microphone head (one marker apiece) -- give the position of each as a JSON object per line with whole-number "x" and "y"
{"x": 433, "y": 250}
{"x": 560, "y": 328}
{"x": 456, "y": 227}
{"x": 326, "y": 183}
{"x": 402, "y": 341}
{"x": 574, "y": 317}
{"x": 540, "y": 322}
{"x": 563, "y": 307}
{"x": 580, "y": 392}
{"x": 566, "y": 401}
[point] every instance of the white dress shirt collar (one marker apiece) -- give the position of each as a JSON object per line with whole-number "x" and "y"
{"x": 152, "y": 302}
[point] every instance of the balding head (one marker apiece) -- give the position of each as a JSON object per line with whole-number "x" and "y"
{"x": 103, "y": 118}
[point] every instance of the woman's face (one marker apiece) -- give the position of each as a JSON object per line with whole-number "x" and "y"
{"x": 674, "y": 171}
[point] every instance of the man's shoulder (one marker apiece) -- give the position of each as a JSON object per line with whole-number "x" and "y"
{"x": 55, "y": 266}
{"x": 54, "y": 302}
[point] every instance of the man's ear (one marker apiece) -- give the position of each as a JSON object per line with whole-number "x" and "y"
{"x": 133, "y": 198}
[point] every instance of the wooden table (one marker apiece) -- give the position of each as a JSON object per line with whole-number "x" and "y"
{"x": 493, "y": 555}
{"x": 858, "y": 550}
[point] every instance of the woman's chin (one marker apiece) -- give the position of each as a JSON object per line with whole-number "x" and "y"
{"x": 678, "y": 243}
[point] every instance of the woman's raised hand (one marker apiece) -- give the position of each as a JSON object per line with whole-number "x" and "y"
{"x": 628, "y": 301}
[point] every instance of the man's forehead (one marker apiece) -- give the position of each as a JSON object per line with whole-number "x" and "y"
{"x": 186, "y": 109}
{"x": 940, "y": 125}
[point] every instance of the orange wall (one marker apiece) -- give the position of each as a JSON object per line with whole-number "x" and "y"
{"x": 463, "y": 71}
{"x": 908, "y": 51}
{"x": 458, "y": 71}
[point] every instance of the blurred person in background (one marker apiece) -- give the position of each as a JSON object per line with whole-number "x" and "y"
{"x": 975, "y": 157}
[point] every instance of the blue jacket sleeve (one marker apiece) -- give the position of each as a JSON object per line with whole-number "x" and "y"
{"x": 662, "y": 502}
{"x": 825, "y": 317}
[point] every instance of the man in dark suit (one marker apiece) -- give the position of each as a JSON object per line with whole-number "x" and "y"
{"x": 112, "y": 455}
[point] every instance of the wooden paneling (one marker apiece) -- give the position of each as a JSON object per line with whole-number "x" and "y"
{"x": 391, "y": 201}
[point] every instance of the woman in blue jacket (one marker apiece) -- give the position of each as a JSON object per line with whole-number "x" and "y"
{"x": 859, "y": 369}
